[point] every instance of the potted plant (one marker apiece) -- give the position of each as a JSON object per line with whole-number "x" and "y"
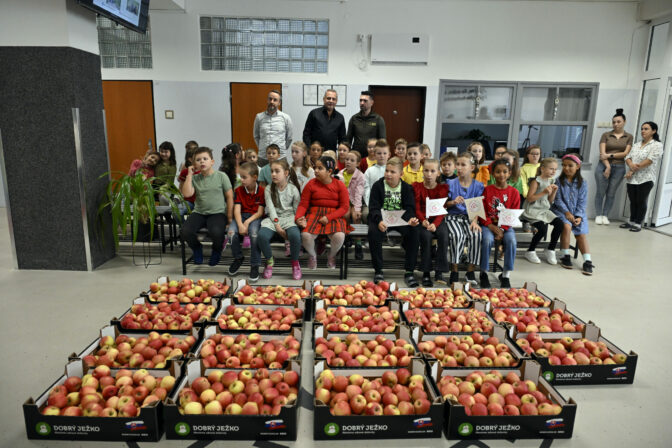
{"x": 131, "y": 201}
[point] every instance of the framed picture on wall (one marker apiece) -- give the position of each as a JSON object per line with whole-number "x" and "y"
{"x": 342, "y": 91}
{"x": 310, "y": 97}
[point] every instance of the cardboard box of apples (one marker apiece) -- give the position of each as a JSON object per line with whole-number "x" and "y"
{"x": 347, "y": 319}
{"x": 453, "y": 297}
{"x": 221, "y": 349}
{"x": 503, "y": 404}
{"x": 370, "y": 403}
{"x": 186, "y": 290}
{"x": 448, "y": 320}
{"x": 587, "y": 358}
{"x": 526, "y": 297}
{"x": 234, "y": 404}
{"x": 272, "y": 319}
{"x": 364, "y": 293}
{"x": 463, "y": 351}
{"x": 539, "y": 320}
{"x": 369, "y": 350}
{"x": 101, "y": 404}
{"x": 172, "y": 317}
{"x": 297, "y": 296}
{"x": 149, "y": 350}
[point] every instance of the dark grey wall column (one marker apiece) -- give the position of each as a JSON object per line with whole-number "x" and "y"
{"x": 54, "y": 150}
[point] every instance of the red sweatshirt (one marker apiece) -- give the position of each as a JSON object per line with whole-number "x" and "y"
{"x": 421, "y": 194}
{"x": 317, "y": 194}
{"x": 494, "y": 199}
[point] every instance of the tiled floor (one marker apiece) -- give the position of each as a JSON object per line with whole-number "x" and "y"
{"x": 47, "y": 315}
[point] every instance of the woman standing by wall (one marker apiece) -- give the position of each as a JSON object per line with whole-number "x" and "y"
{"x": 614, "y": 147}
{"x": 643, "y": 171}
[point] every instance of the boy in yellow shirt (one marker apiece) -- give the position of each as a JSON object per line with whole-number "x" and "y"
{"x": 413, "y": 171}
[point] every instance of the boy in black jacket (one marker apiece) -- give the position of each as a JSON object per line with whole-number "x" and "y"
{"x": 391, "y": 193}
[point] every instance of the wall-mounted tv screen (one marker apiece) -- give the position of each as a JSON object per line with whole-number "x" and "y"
{"x": 132, "y": 14}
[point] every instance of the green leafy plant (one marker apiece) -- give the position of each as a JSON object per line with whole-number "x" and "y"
{"x": 131, "y": 201}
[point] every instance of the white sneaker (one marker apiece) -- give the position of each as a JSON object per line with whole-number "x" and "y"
{"x": 532, "y": 257}
{"x": 550, "y": 256}
{"x": 598, "y": 220}
{"x": 605, "y": 221}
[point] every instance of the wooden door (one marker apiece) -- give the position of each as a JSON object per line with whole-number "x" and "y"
{"x": 403, "y": 109}
{"x": 129, "y": 117}
{"x": 247, "y": 100}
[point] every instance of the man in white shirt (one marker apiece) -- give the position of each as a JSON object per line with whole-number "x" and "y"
{"x": 272, "y": 126}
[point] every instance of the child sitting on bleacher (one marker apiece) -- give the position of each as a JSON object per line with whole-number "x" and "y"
{"x": 353, "y": 179}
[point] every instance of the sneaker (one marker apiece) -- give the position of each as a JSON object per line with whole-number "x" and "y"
{"x": 320, "y": 247}
{"x": 410, "y": 280}
{"x": 566, "y": 262}
{"x": 636, "y": 228}
{"x": 235, "y": 266}
{"x": 625, "y": 225}
{"x": 214, "y": 258}
{"x": 268, "y": 271}
{"x": 598, "y": 220}
{"x": 550, "y": 256}
{"x": 331, "y": 262}
{"x": 287, "y": 250}
{"x": 197, "y": 256}
{"x": 296, "y": 270}
{"x": 246, "y": 242}
{"x": 438, "y": 278}
{"x": 504, "y": 282}
{"x": 454, "y": 277}
{"x": 427, "y": 280}
{"x": 254, "y": 273}
{"x": 471, "y": 277}
{"x": 587, "y": 268}
{"x": 532, "y": 257}
{"x": 359, "y": 252}
{"x": 484, "y": 280}
{"x": 605, "y": 221}
{"x": 378, "y": 277}
{"x": 312, "y": 262}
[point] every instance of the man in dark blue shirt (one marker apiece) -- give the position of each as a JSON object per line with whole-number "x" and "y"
{"x": 325, "y": 124}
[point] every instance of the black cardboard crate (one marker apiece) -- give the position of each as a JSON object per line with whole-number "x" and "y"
{"x": 402, "y": 295}
{"x": 147, "y": 426}
{"x": 576, "y": 375}
{"x": 229, "y": 427}
{"x": 394, "y": 308}
{"x": 305, "y": 303}
{"x": 529, "y": 286}
{"x": 214, "y": 309}
{"x": 226, "y": 283}
{"x": 459, "y": 425}
{"x": 356, "y": 427}
{"x": 228, "y": 302}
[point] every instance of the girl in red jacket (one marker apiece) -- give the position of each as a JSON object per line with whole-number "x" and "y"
{"x": 497, "y": 197}
{"x": 324, "y": 203}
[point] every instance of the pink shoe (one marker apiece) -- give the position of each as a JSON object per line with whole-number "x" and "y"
{"x": 312, "y": 262}
{"x": 268, "y": 271}
{"x": 246, "y": 242}
{"x": 296, "y": 270}
{"x": 287, "y": 251}
{"x": 331, "y": 262}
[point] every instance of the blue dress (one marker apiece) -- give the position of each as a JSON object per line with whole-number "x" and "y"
{"x": 572, "y": 198}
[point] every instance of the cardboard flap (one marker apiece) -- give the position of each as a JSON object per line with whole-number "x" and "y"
{"x": 591, "y": 331}
{"x": 531, "y": 287}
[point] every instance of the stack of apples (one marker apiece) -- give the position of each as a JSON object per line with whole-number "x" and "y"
{"x": 533, "y": 321}
{"x": 468, "y": 351}
{"x": 510, "y": 298}
{"x": 393, "y": 393}
{"x": 99, "y": 394}
{"x": 147, "y": 352}
{"x": 244, "y": 392}
{"x": 433, "y": 298}
{"x": 364, "y": 293}
{"x": 494, "y": 394}
{"x": 166, "y": 316}
{"x": 353, "y": 352}
{"x": 185, "y": 291}
{"x": 370, "y": 320}
{"x": 248, "y": 351}
{"x": 570, "y": 352}
{"x": 252, "y": 318}
{"x": 450, "y": 320}
{"x": 270, "y": 295}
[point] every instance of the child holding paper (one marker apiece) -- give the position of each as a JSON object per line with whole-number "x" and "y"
{"x": 390, "y": 193}
{"x": 431, "y": 226}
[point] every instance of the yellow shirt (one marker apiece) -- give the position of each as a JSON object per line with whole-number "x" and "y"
{"x": 528, "y": 171}
{"x": 409, "y": 176}
{"x": 483, "y": 175}
{"x": 371, "y": 162}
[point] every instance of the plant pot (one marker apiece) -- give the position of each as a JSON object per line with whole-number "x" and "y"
{"x": 144, "y": 232}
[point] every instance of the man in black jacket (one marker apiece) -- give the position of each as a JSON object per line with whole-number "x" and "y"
{"x": 364, "y": 125}
{"x": 325, "y": 124}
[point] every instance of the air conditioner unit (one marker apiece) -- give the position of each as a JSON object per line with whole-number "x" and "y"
{"x": 394, "y": 48}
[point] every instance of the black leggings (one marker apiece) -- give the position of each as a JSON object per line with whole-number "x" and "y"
{"x": 638, "y": 196}
{"x": 542, "y": 228}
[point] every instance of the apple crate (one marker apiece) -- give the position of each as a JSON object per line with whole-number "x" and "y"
{"x": 518, "y": 324}
{"x": 418, "y": 297}
{"x": 183, "y": 310}
{"x": 621, "y": 369}
{"x": 225, "y": 291}
{"x": 180, "y": 426}
{"x": 88, "y": 355}
{"x": 402, "y": 332}
{"x": 460, "y": 425}
{"x": 365, "y": 427}
{"x": 513, "y": 360}
{"x": 516, "y": 293}
{"x": 449, "y": 320}
{"x": 305, "y": 301}
{"x": 147, "y": 426}
{"x": 228, "y": 359}
{"x": 383, "y": 298}
{"x": 332, "y": 318}
{"x": 228, "y": 304}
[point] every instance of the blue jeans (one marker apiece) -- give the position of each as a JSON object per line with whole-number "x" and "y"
{"x": 607, "y": 187}
{"x": 293, "y": 235}
{"x": 509, "y": 248}
{"x": 236, "y": 238}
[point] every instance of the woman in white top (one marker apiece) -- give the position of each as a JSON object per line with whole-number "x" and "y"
{"x": 642, "y": 162}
